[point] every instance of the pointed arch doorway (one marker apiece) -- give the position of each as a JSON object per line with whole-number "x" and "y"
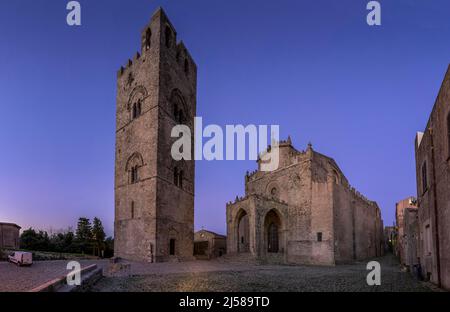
{"x": 272, "y": 231}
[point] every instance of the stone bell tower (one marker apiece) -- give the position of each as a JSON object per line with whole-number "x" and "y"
{"x": 154, "y": 194}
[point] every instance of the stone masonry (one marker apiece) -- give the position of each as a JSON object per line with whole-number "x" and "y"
{"x": 400, "y": 209}
{"x": 432, "y": 149}
{"x": 9, "y": 235}
{"x": 304, "y": 212}
{"x": 154, "y": 194}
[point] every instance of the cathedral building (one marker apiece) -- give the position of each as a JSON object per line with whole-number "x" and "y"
{"x": 305, "y": 212}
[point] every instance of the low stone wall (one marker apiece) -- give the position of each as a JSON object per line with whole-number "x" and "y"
{"x": 89, "y": 275}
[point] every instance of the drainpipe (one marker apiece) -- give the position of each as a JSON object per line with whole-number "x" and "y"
{"x": 438, "y": 254}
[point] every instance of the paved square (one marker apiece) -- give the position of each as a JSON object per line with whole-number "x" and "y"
{"x": 219, "y": 276}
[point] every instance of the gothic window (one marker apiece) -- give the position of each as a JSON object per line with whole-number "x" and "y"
{"x": 148, "y": 38}
{"x": 137, "y": 109}
{"x": 133, "y": 112}
{"x": 424, "y": 177}
{"x": 273, "y": 238}
{"x": 179, "y": 110}
{"x": 134, "y": 162}
{"x": 175, "y": 111}
{"x": 172, "y": 247}
{"x": 178, "y": 115}
{"x": 134, "y": 174}
{"x": 132, "y": 209}
{"x": 136, "y": 102}
{"x": 243, "y": 231}
{"x": 168, "y": 36}
{"x": 178, "y": 177}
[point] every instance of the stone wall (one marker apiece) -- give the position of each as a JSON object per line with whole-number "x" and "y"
{"x": 156, "y": 211}
{"x": 432, "y": 148}
{"x": 9, "y": 235}
{"x": 410, "y": 237}
{"x": 324, "y": 220}
{"x": 400, "y": 209}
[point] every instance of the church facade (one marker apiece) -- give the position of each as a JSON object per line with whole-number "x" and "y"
{"x": 304, "y": 212}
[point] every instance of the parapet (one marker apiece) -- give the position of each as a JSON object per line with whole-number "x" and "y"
{"x": 257, "y": 196}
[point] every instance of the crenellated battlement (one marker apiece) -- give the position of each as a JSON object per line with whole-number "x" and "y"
{"x": 295, "y": 156}
{"x": 257, "y": 196}
{"x": 160, "y": 33}
{"x": 361, "y": 197}
{"x": 129, "y": 64}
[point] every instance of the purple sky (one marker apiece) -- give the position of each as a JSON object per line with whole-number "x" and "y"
{"x": 358, "y": 93}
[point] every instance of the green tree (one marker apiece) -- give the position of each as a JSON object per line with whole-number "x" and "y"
{"x": 84, "y": 235}
{"x": 32, "y": 240}
{"x": 98, "y": 235}
{"x": 28, "y": 239}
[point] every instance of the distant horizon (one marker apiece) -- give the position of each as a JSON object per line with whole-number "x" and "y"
{"x": 358, "y": 93}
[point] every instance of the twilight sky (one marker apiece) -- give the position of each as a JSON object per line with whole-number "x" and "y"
{"x": 358, "y": 93}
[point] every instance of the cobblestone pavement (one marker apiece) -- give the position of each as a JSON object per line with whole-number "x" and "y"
{"x": 14, "y": 278}
{"x": 220, "y": 276}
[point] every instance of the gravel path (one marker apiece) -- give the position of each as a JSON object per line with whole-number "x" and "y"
{"x": 217, "y": 276}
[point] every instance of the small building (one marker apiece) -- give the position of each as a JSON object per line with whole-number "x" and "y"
{"x": 9, "y": 235}
{"x": 208, "y": 245}
{"x": 400, "y": 208}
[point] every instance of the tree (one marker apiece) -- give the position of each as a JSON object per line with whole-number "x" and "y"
{"x": 28, "y": 239}
{"x": 32, "y": 240}
{"x": 98, "y": 235}
{"x": 109, "y": 247}
{"x": 84, "y": 229}
{"x": 84, "y": 235}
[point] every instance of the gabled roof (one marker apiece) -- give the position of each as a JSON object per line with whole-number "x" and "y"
{"x": 11, "y": 224}
{"x": 212, "y": 233}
